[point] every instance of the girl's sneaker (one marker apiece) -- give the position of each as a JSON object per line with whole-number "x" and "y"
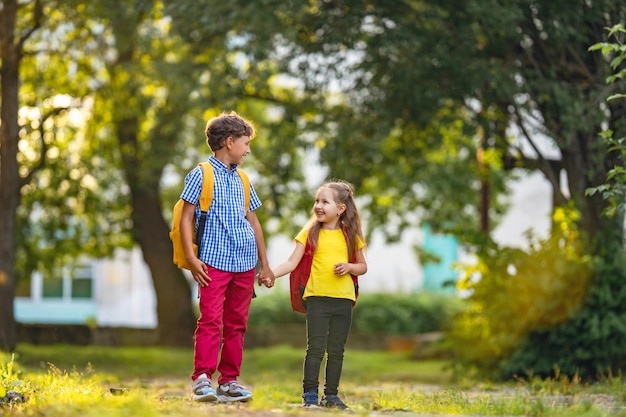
{"x": 202, "y": 390}
{"x": 333, "y": 401}
{"x": 232, "y": 391}
{"x": 309, "y": 399}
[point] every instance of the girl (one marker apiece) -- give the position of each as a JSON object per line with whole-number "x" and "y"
{"x": 335, "y": 235}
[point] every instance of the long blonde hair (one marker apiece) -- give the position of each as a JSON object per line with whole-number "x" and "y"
{"x": 350, "y": 219}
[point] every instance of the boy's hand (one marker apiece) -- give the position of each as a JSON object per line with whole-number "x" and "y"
{"x": 200, "y": 273}
{"x": 266, "y": 277}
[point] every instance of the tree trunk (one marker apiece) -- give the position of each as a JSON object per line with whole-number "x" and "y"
{"x": 9, "y": 175}
{"x": 580, "y": 161}
{"x": 174, "y": 307}
{"x": 143, "y": 171}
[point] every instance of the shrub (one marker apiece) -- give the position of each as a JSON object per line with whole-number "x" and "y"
{"x": 273, "y": 308}
{"x": 547, "y": 311}
{"x": 593, "y": 344}
{"x": 388, "y": 313}
{"x": 405, "y": 313}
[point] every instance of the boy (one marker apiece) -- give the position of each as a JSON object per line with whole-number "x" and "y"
{"x": 224, "y": 269}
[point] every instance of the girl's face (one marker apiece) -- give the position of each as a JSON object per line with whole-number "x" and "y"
{"x": 326, "y": 208}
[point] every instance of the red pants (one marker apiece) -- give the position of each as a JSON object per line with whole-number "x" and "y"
{"x": 224, "y": 306}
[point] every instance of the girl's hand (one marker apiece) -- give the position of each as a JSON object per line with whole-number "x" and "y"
{"x": 341, "y": 268}
{"x": 266, "y": 277}
{"x": 269, "y": 282}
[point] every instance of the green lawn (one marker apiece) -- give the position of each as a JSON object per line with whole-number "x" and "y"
{"x": 71, "y": 381}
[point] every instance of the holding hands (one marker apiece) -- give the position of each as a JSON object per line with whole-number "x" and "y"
{"x": 266, "y": 277}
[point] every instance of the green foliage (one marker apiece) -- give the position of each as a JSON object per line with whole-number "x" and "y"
{"x": 72, "y": 200}
{"x": 515, "y": 293}
{"x": 614, "y": 189}
{"x": 592, "y": 344}
{"x": 96, "y": 140}
{"x": 422, "y": 79}
{"x": 10, "y": 381}
{"x": 273, "y": 308}
{"x": 385, "y": 313}
{"x": 405, "y": 313}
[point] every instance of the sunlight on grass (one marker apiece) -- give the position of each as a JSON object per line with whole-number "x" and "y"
{"x": 75, "y": 381}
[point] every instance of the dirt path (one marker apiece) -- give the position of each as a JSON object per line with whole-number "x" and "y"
{"x": 178, "y": 391}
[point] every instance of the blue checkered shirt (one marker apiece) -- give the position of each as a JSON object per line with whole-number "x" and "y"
{"x": 228, "y": 242}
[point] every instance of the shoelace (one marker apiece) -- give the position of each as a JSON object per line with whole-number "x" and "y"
{"x": 200, "y": 385}
{"x": 233, "y": 386}
{"x": 335, "y": 400}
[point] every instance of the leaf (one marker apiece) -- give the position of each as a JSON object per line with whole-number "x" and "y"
{"x": 615, "y": 29}
{"x": 616, "y": 96}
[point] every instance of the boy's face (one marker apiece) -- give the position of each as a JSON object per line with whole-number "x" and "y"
{"x": 238, "y": 147}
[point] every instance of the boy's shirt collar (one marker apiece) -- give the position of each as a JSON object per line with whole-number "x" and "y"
{"x": 219, "y": 164}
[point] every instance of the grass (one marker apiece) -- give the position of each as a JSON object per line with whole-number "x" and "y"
{"x": 70, "y": 381}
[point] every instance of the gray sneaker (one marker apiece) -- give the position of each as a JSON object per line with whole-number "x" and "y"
{"x": 232, "y": 391}
{"x": 202, "y": 390}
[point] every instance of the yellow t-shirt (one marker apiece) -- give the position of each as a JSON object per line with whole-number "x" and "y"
{"x": 331, "y": 249}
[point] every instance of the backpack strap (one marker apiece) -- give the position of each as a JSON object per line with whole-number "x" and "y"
{"x": 298, "y": 279}
{"x": 206, "y": 197}
{"x": 208, "y": 181}
{"x": 355, "y": 278}
{"x": 246, "y": 189}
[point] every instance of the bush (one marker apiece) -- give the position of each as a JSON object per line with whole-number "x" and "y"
{"x": 551, "y": 310}
{"x": 405, "y": 314}
{"x": 388, "y": 313}
{"x": 592, "y": 344}
{"x": 273, "y": 308}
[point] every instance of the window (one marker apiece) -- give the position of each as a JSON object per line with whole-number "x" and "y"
{"x": 82, "y": 282}
{"x": 53, "y": 288}
{"x": 73, "y": 282}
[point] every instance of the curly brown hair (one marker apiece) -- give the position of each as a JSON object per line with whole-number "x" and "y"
{"x": 219, "y": 128}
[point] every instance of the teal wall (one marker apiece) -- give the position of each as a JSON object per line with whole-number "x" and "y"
{"x": 54, "y": 311}
{"x": 440, "y": 276}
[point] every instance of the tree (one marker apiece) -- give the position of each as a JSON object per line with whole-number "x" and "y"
{"x": 404, "y": 63}
{"x": 139, "y": 92}
{"x": 405, "y": 69}
{"x": 614, "y": 190}
{"x": 58, "y": 212}
{"x": 159, "y": 88}
{"x": 17, "y": 23}
{"x": 390, "y": 97}
{"x": 145, "y": 95}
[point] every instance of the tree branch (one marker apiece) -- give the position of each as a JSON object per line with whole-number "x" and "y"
{"x": 546, "y": 166}
{"x": 37, "y": 22}
{"x": 41, "y": 163}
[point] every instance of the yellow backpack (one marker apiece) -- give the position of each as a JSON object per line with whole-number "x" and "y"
{"x": 206, "y": 198}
